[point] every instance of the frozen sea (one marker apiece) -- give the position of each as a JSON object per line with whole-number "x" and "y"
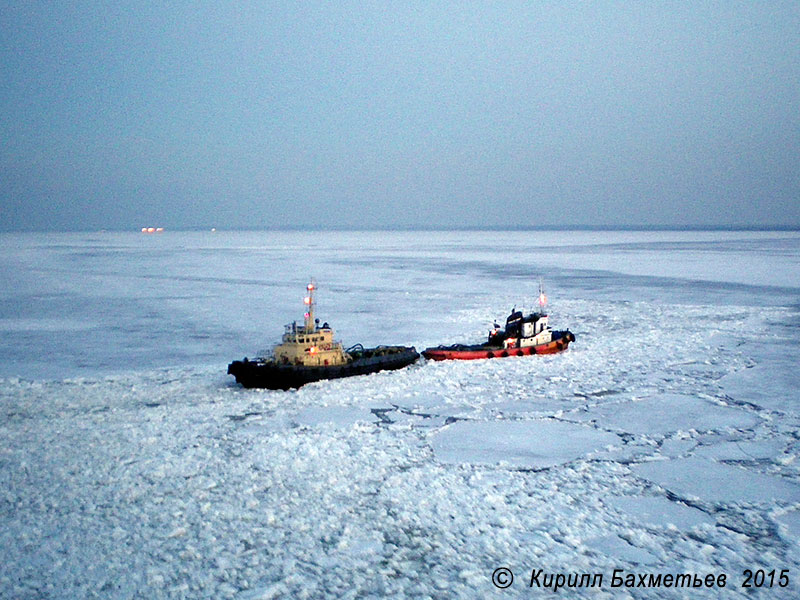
{"x": 664, "y": 441}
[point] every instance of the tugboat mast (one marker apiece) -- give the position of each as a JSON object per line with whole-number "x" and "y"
{"x": 309, "y": 302}
{"x": 542, "y": 297}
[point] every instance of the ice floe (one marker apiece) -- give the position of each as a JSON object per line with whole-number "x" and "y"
{"x": 657, "y": 511}
{"x": 667, "y": 413}
{"x": 698, "y": 478}
{"x": 534, "y": 444}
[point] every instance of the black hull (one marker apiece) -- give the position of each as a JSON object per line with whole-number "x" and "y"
{"x": 269, "y": 375}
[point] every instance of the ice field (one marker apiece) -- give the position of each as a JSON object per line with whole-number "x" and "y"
{"x": 664, "y": 441}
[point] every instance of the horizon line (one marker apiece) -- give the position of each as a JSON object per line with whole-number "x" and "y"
{"x": 440, "y": 228}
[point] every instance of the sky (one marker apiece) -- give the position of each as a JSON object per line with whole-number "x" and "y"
{"x": 363, "y": 115}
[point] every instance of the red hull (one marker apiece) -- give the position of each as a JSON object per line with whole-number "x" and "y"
{"x": 477, "y": 352}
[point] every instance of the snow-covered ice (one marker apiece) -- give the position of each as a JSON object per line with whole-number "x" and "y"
{"x": 663, "y": 441}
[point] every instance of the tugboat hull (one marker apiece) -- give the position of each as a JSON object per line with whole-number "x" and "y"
{"x": 270, "y": 375}
{"x": 462, "y": 352}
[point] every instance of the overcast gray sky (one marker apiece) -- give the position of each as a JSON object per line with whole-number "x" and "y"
{"x": 119, "y": 115}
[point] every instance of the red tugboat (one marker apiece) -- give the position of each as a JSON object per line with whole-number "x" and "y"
{"x": 523, "y": 336}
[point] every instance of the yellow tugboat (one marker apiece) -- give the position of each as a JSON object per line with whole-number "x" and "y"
{"x": 309, "y": 353}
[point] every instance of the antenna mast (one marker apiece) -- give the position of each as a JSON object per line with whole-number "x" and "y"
{"x": 309, "y": 302}
{"x": 542, "y": 297}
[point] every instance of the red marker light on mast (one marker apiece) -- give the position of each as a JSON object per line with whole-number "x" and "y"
{"x": 307, "y": 299}
{"x": 310, "y": 287}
